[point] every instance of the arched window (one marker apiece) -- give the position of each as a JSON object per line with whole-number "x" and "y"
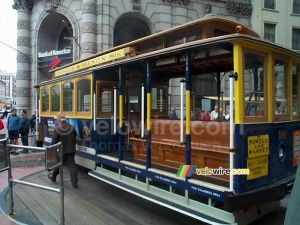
{"x": 68, "y": 96}
{"x": 84, "y": 95}
{"x": 55, "y": 98}
{"x": 128, "y": 29}
{"x": 45, "y": 99}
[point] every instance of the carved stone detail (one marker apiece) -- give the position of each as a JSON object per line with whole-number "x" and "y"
{"x": 207, "y": 9}
{"x": 88, "y": 48}
{"x": 23, "y": 41}
{"x": 239, "y": 8}
{"x": 23, "y": 75}
{"x": 89, "y": 28}
{"x": 51, "y": 5}
{"x": 23, "y": 24}
{"x": 89, "y": 7}
{"x": 22, "y": 4}
{"x": 23, "y": 92}
{"x": 136, "y": 5}
{"x": 180, "y": 2}
{"x": 23, "y": 58}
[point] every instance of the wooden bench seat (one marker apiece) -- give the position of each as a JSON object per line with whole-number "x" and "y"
{"x": 209, "y": 144}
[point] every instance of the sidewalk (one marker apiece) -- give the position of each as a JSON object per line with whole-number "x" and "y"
{"x": 17, "y": 172}
{"x": 22, "y": 165}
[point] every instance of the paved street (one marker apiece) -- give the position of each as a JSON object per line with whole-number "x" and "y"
{"x": 17, "y": 172}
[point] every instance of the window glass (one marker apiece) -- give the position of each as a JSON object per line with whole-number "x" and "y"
{"x": 269, "y": 32}
{"x": 158, "y": 99}
{"x": 295, "y": 82}
{"x": 68, "y": 90}
{"x": 254, "y": 84}
{"x": 45, "y": 99}
{"x": 280, "y": 87}
{"x": 269, "y": 4}
{"x": 296, "y": 39}
{"x": 84, "y": 95}
{"x": 55, "y": 92}
{"x": 106, "y": 98}
{"x": 296, "y": 6}
{"x": 135, "y": 99}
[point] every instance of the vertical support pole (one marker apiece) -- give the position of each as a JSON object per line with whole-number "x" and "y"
{"x": 148, "y": 142}
{"x": 94, "y": 110}
{"x": 10, "y": 183}
{"x": 121, "y": 113}
{"x": 62, "y": 193}
{"x": 143, "y": 111}
{"x": 231, "y": 133}
{"x": 181, "y": 110}
{"x": 219, "y": 93}
{"x": 115, "y": 110}
{"x": 39, "y": 114}
{"x": 188, "y": 110}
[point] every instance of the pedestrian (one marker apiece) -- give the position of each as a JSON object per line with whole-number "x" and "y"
{"x": 24, "y": 129}
{"x": 65, "y": 133}
{"x": 206, "y": 116}
{"x": 214, "y": 114}
{"x": 33, "y": 122}
{"x": 13, "y": 127}
{"x": 173, "y": 114}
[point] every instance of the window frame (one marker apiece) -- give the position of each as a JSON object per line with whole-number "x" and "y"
{"x": 47, "y": 111}
{"x": 296, "y": 6}
{"x": 296, "y": 116}
{"x": 63, "y": 97}
{"x": 100, "y": 113}
{"x": 83, "y": 113}
{"x": 263, "y": 118}
{"x": 270, "y": 24}
{"x": 285, "y": 116}
{"x": 294, "y": 38}
{"x": 268, "y": 2}
{"x": 54, "y": 112}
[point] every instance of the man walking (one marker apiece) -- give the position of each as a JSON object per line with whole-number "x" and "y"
{"x": 65, "y": 133}
{"x": 24, "y": 129}
{"x": 13, "y": 126}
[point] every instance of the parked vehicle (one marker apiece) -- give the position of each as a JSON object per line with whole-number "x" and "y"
{"x": 2, "y": 113}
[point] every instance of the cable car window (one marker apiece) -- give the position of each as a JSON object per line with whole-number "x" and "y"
{"x": 45, "y": 99}
{"x": 68, "y": 95}
{"x": 280, "y": 87}
{"x": 55, "y": 98}
{"x": 254, "y": 77}
{"x": 295, "y": 85}
{"x": 84, "y": 95}
{"x": 159, "y": 99}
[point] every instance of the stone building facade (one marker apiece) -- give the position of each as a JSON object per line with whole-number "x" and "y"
{"x": 70, "y": 30}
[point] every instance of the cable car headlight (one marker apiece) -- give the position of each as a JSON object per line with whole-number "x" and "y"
{"x": 281, "y": 152}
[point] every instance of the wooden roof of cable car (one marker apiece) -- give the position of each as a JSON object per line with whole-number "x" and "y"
{"x": 206, "y": 24}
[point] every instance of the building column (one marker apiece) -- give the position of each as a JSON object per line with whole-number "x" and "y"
{"x": 89, "y": 29}
{"x": 23, "y": 55}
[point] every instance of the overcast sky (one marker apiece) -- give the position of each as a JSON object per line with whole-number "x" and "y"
{"x": 8, "y": 35}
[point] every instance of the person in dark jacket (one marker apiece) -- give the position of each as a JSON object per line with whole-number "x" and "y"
{"x": 24, "y": 129}
{"x": 33, "y": 122}
{"x": 13, "y": 127}
{"x": 65, "y": 133}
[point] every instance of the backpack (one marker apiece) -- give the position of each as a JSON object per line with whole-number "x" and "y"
{"x": 1, "y": 125}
